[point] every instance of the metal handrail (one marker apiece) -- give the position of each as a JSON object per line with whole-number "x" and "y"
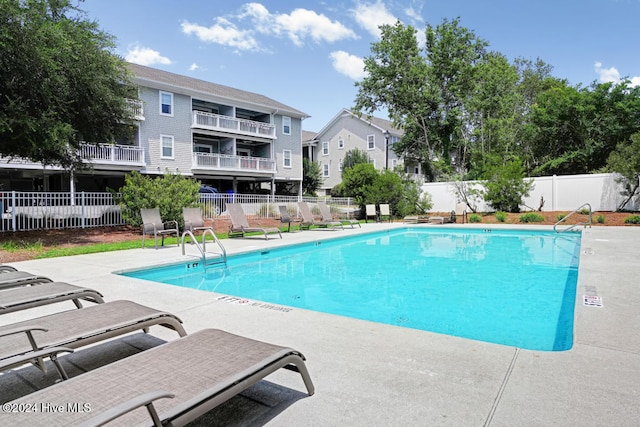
{"x": 586, "y": 223}
{"x": 203, "y": 248}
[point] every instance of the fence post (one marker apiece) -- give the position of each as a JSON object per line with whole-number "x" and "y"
{"x": 14, "y": 220}
{"x": 82, "y": 215}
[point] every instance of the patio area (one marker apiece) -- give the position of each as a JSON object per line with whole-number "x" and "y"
{"x": 371, "y": 374}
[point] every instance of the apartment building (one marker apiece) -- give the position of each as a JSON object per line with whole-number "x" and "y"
{"x": 347, "y": 131}
{"x": 225, "y": 137}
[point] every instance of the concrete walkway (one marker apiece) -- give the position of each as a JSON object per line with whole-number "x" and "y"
{"x": 370, "y": 374}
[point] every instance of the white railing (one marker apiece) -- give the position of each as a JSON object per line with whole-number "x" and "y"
{"x": 236, "y": 163}
{"x": 112, "y": 153}
{"x": 136, "y": 107}
{"x": 212, "y": 121}
{"x": 23, "y": 211}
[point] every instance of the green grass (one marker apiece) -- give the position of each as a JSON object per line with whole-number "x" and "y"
{"x": 110, "y": 247}
{"x": 12, "y": 246}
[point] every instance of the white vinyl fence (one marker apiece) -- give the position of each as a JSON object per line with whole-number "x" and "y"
{"x": 559, "y": 193}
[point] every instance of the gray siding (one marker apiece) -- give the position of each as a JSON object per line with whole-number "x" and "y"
{"x": 178, "y": 126}
{"x": 354, "y": 132}
{"x": 291, "y": 142}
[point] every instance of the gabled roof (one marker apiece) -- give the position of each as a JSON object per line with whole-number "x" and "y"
{"x": 378, "y": 123}
{"x": 152, "y": 77}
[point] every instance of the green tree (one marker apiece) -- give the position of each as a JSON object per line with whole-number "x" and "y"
{"x": 505, "y": 186}
{"x": 575, "y": 129}
{"x": 311, "y": 177}
{"x": 60, "y": 83}
{"x": 354, "y": 157}
{"x": 625, "y": 160}
{"x": 424, "y": 91}
{"x": 358, "y": 181}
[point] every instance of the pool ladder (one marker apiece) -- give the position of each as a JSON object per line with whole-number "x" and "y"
{"x": 571, "y": 227}
{"x": 221, "y": 257}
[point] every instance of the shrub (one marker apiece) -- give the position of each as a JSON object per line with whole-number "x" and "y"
{"x": 474, "y": 218}
{"x": 531, "y": 217}
{"x": 560, "y": 217}
{"x": 505, "y": 186}
{"x": 170, "y": 193}
{"x": 633, "y": 219}
{"x": 600, "y": 219}
{"x": 501, "y": 216}
{"x": 585, "y": 211}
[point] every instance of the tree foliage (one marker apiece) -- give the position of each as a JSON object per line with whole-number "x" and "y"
{"x": 354, "y": 157}
{"x": 311, "y": 177}
{"x": 60, "y": 83}
{"x": 625, "y": 160}
{"x": 505, "y": 186}
{"x": 169, "y": 192}
{"x": 460, "y": 105}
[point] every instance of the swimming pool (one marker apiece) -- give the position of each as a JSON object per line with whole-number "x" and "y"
{"x": 509, "y": 287}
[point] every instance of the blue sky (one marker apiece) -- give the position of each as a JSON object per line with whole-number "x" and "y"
{"x": 308, "y": 54}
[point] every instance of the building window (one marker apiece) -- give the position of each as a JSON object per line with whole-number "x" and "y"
{"x": 166, "y": 146}
{"x": 371, "y": 142}
{"x": 340, "y": 143}
{"x": 166, "y": 103}
{"x": 325, "y": 171}
{"x": 394, "y": 163}
{"x": 340, "y": 165}
{"x": 286, "y": 158}
{"x": 286, "y": 125}
{"x": 325, "y": 148}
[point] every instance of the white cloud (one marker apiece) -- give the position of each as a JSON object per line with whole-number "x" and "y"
{"x": 607, "y": 74}
{"x": 299, "y": 25}
{"x": 146, "y": 56}
{"x": 302, "y": 23}
{"x": 350, "y": 65}
{"x": 612, "y": 75}
{"x": 194, "y": 67}
{"x": 413, "y": 15}
{"x": 371, "y": 15}
{"x": 223, "y": 32}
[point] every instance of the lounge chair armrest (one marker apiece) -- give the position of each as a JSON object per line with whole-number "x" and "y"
{"x": 28, "y": 331}
{"x": 175, "y": 223}
{"x": 7, "y": 268}
{"x": 150, "y": 226}
{"x": 23, "y": 329}
{"x": 19, "y": 359}
{"x": 128, "y": 406}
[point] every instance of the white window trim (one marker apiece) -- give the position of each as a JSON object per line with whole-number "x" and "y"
{"x": 325, "y": 171}
{"x": 160, "y": 102}
{"x": 340, "y": 143}
{"x": 325, "y": 144}
{"x": 173, "y": 148}
{"x": 373, "y": 138}
{"x": 286, "y": 121}
{"x": 286, "y": 154}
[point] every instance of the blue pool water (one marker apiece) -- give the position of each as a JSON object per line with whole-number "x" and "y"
{"x": 509, "y": 287}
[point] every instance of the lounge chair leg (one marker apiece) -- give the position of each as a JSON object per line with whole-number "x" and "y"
{"x": 77, "y": 303}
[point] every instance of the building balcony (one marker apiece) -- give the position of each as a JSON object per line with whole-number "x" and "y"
{"x": 224, "y": 162}
{"x": 136, "y": 107}
{"x": 113, "y": 156}
{"x": 209, "y": 121}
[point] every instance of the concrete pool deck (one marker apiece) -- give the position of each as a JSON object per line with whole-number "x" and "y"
{"x": 367, "y": 373}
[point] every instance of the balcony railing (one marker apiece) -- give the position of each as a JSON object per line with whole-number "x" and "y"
{"x": 233, "y": 163}
{"x": 211, "y": 121}
{"x": 136, "y": 107}
{"x": 112, "y": 154}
